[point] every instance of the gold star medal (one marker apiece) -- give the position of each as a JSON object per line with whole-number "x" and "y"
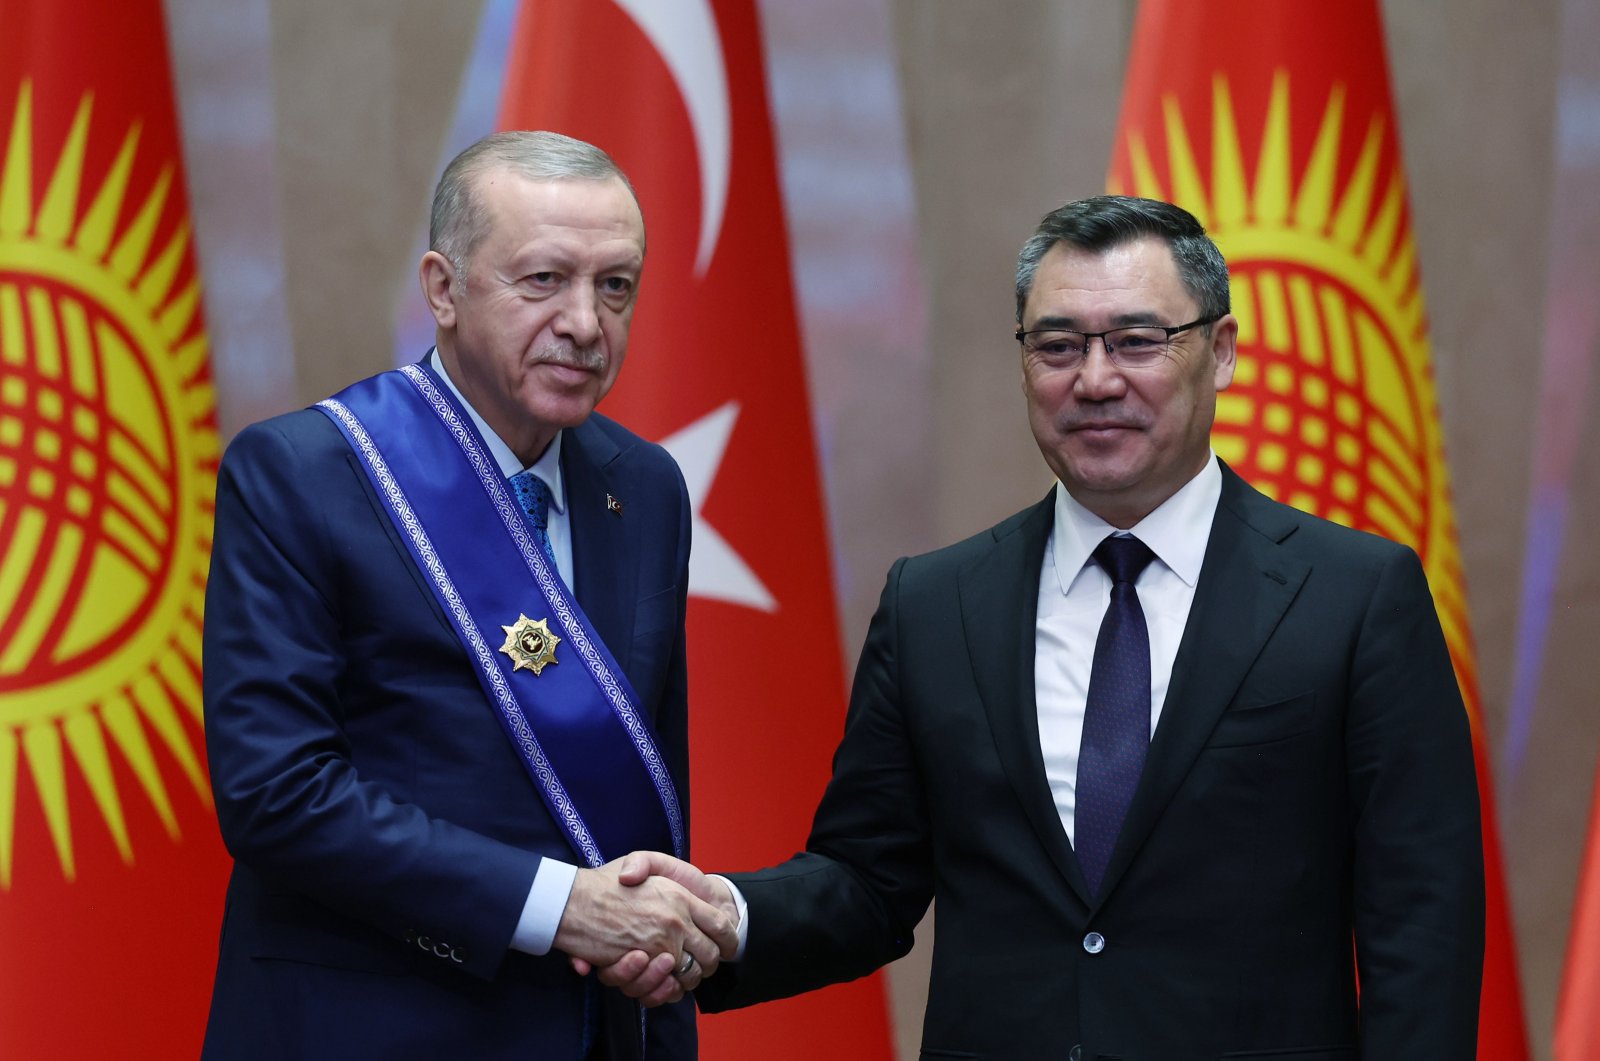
{"x": 530, "y": 644}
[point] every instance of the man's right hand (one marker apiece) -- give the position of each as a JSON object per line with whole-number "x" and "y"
{"x": 636, "y": 922}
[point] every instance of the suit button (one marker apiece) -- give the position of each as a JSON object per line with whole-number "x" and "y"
{"x": 1076, "y": 1053}
{"x": 441, "y": 950}
{"x": 1094, "y": 943}
{"x": 458, "y": 954}
{"x": 424, "y": 943}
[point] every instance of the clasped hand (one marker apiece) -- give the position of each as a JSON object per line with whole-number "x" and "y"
{"x": 636, "y": 918}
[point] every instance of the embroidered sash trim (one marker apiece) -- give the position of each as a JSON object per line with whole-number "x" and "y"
{"x": 577, "y": 729}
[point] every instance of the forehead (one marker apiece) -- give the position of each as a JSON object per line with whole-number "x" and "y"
{"x": 520, "y": 209}
{"x": 1135, "y": 280}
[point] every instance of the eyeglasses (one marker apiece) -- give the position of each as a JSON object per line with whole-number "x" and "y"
{"x": 1140, "y": 346}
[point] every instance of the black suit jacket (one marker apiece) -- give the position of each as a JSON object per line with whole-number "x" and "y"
{"x": 384, "y": 832}
{"x": 1308, "y": 807}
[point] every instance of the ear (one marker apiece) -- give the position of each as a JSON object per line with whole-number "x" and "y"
{"x": 438, "y": 277}
{"x": 1225, "y": 350}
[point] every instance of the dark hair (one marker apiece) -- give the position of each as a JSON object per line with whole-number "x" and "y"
{"x": 1102, "y": 222}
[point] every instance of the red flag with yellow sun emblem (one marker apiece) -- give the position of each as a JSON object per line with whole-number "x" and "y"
{"x": 1274, "y": 124}
{"x": 111, "y": 872}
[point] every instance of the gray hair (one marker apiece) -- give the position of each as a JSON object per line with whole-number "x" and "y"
{"x": 459, "y": 222}
{"x": 1102, "y": 222}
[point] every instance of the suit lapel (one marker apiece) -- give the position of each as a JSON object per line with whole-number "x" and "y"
{"x": 1246, "y": 584}
{"x": 999, "y": 607}
{"x": 606, "y": 580}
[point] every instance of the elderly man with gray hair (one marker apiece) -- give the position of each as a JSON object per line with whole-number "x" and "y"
{"x": 444, "y": 665}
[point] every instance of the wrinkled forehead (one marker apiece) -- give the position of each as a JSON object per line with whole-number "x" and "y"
{"x": 508, "y": 196}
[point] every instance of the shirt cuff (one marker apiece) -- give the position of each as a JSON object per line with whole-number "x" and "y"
{"x": 744, "y": 913}
{"x": 547, "y": 901}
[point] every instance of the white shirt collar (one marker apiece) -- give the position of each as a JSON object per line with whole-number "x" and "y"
{"x": 547, "y": 467}
{"x": 1169, "y": 531}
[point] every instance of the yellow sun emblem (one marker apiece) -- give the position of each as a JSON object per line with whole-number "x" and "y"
{"x": 108, "y": 452}
{"x": 1332, "y": 408}
{"x": 530, "y": 644}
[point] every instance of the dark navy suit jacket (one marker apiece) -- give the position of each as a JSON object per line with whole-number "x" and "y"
{"x": 384, "y": 832}
{"x": 1308, "y": 805}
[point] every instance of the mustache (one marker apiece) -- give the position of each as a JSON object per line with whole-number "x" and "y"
{"x": 590, "y": 358}
{"x": 1102, "y": 416}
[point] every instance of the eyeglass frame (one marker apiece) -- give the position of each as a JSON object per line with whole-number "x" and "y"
{"x": 1171, "y": 333}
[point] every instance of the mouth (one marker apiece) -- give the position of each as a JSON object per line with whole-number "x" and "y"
{"x": 1100, "y": 430}
{"x": 568, "y": 369}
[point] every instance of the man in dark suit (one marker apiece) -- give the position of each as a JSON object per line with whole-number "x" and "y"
{"x": 1179, "y": 763}
{"x": 444, "y": 665}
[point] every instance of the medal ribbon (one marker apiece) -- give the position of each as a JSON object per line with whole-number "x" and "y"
{"x": 576, "y": 726}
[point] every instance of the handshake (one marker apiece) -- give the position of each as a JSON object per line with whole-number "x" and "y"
{"x": 650, "y": 924}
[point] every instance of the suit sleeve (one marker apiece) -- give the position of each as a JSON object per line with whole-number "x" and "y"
{"x": 290, "y": 796}
{"x": 1418, "y": 852}
{"x": 848, "y": 904}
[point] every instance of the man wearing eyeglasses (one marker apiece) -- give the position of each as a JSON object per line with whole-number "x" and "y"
{"x": 1179, "y": 763}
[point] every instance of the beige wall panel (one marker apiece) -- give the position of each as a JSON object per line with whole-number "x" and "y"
{"x": 364, "y": 92}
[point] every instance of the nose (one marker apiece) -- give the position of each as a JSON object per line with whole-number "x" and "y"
{"x": 1098, "y": 377}
{"x": 579, "y": 319}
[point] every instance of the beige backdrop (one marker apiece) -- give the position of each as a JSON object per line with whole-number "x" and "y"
{"x": 1010, "y": 109}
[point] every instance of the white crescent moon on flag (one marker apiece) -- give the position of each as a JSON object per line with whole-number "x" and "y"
{"x": 684, "y": 32}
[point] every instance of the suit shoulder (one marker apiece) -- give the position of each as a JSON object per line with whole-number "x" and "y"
{"x": 1301, "y": 530}
{"x": 302, "y": 435}
{"x": 300, "y": 429}
{"x": 609, "y": 441}
{"x": 1032, "y": 522}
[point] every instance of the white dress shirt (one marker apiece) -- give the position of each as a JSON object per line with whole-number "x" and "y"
{"x": 1074, "y": 593}
{"x": 547, "y": 898}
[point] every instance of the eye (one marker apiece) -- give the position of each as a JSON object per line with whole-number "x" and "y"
{"x": 1058, "y": 344}
{"x": 616, "y": 287}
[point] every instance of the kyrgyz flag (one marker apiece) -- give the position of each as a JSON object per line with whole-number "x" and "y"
{"x": 1274, "y": 124}
{"x": 675, "y": 92}
{"x": 1578, "y": 1013}
{"x": 111, "y": 871}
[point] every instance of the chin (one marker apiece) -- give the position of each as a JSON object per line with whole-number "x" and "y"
{"x": 562, "y": 414}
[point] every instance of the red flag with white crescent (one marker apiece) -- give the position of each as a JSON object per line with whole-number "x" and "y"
{"x": 111, "y": 870}
{"x": 676, "y": 93}
{"x": 1275, "y": 125}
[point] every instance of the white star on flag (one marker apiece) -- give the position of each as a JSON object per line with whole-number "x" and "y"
{"x": 715, "y": 570}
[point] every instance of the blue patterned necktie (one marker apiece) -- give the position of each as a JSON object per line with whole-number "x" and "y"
{"x": 534, "y": 496}
{"x": 1116, "y": 718}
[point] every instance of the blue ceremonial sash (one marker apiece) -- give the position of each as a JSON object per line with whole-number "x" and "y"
{"x": 576, "y": 725}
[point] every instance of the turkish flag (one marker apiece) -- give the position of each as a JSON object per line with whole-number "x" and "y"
{"x": 111, "y": 869}
{"x": 1275, "y": 125}
{"x": 677, "y": 95}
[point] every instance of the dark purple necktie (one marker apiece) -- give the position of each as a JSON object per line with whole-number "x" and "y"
{"x": 1116, "y": 718}
{"x": 535, "y": 499}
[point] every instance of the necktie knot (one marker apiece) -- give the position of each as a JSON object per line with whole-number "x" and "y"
{"x": 1123, "y": 558}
